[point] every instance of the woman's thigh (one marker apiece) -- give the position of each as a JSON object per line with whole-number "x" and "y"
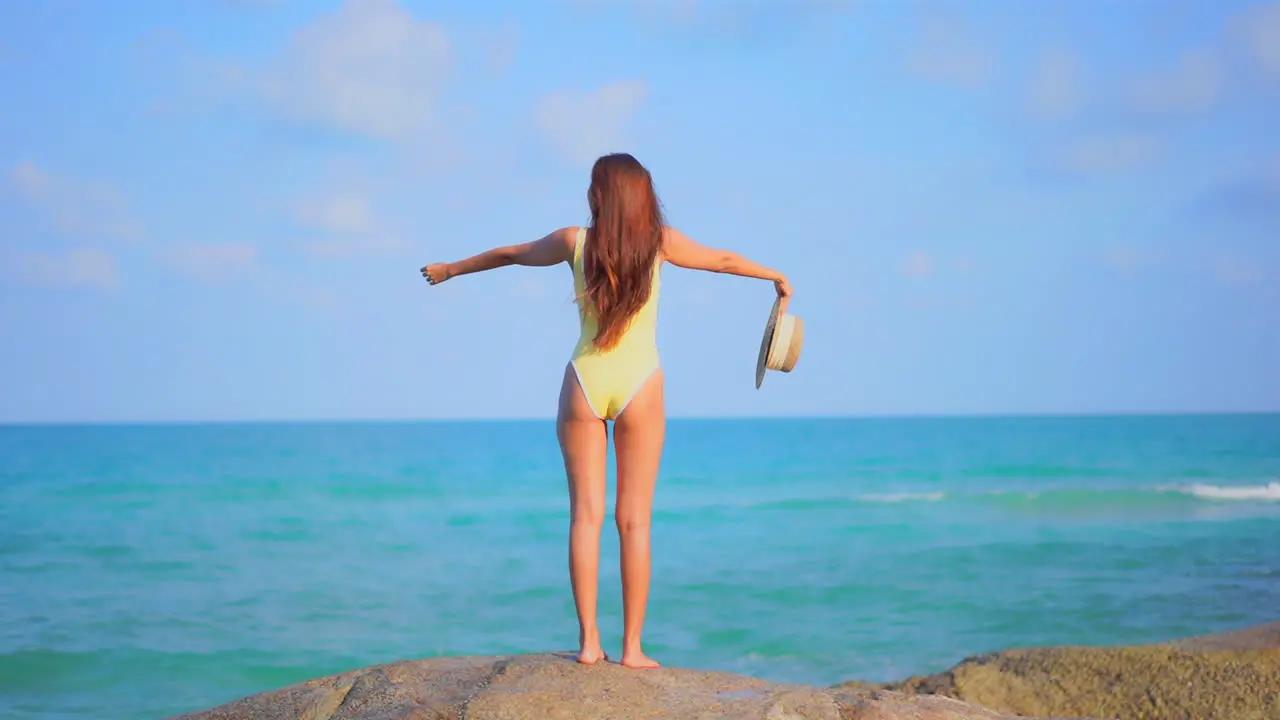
{"x": 584, "y": 444}
{"x": 639, "y": 435}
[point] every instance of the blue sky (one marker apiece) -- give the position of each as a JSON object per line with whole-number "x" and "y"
{"x": 216, "y": 209}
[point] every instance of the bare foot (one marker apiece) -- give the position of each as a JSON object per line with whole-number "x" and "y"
{"x": 592, "y": 655}
{"x": 639, "y": 661}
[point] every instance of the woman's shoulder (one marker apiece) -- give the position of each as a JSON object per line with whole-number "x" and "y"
{"x": 570, "y": 236}
{"x": 671, "y": 239}
{"x": 567, "y": 234}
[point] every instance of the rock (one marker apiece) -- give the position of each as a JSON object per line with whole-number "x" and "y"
{"x": 553, "y": 687}
{"x": 1258, "y": 637}
{"x": 1227, "y": 676}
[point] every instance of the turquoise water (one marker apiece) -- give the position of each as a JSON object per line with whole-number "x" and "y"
{"x": 151, "y": 570}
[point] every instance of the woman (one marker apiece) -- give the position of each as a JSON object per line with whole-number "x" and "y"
{"x": 614, "y": 374}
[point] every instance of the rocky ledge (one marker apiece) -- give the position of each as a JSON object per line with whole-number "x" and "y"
{"x": 553, "y": 686}
{"x": 1230, "y": 675}
{"x": 1226, "y": 676}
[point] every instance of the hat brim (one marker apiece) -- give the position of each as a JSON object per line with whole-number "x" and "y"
{"x": 765, "y": 342}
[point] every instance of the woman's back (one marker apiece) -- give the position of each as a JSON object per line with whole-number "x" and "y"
{"x": 611, "y": 376}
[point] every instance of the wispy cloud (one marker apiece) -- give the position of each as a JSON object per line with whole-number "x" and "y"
{"x": 681, "y": 11}
{"x": 947, "y": 51}
{"x": 717, "y": 15}
{"x": 341, "y": 212}
{"x": 1111, "y": 153}
{"x": 1258, "y": 30}
{"x": 582, "y": 125}
{"x": 347, "y": 225}
{"x": 369, "y": 67}
{"x": 213, "y": 262}
{"x": 1057, "y": 88}
{"x": 918, "y": 264}
{"x": 81, "y": 267}
{"x": 1194, "y": 83}
{"x": 76, "y": 207}
{"x": 500, "y": 45}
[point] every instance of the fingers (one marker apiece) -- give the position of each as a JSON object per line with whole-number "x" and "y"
{"x": 436, "y": 273}
{"x": 784, "y": 296}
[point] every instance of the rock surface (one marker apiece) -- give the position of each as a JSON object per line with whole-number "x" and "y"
{"x": 555, "y": 687}
{"x": 1227, "y": 676}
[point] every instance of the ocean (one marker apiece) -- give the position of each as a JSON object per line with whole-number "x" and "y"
{"x": 152, "y": 570}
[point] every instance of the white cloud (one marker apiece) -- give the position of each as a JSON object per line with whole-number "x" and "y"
{"x": 75, "y": 207}
{"x": 924, "y": 264}
{"x": 581, "y": 126}
{"x": 369, "y": 67}
{"x": 81, "y": 267}
{"x": 500, "y": 45}
{"x": 948, "y": 53}
{"x": 213, "y": 261}
{"x": 1258, "y": 30}
{"x": 1195, "y": 83}
{"x": 739, "y": 14}
{"x": 918, "y": 264}
{"x": 681, "y": 10}
{"x": 676, "y": 11}
{"x": 342, "y": 212}
{"x": 348, "y": 224}
{"x": 1056, "y": 87}
{"x": 343, "y": 247}
{"x": 1111, "y": 153}
{"x": 31, "y": 179}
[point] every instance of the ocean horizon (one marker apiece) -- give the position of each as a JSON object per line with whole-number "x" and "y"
{"x": 153, "y": 568}
{"x": 834, "y": 416}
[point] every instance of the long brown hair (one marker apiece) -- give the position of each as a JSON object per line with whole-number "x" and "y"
{"x": 624, "y": 238}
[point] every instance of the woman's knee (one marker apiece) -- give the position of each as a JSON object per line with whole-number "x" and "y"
{"x": 630, "y": 522}
{"x": 589, "y": 514}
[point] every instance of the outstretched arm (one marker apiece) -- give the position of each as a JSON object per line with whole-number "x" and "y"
{"x": 680, "y": 250}
{"x": 556, "y": 247}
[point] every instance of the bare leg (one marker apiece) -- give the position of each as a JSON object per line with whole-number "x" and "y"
{"x": 584, "y": 443}
{"x": 638, "y": 436}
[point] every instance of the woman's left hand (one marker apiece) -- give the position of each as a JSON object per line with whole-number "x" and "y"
{"x": 783, "y": 286}
{"x": 437, "y": 273}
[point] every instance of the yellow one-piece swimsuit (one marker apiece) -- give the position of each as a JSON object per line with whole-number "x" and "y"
{"x": 611, "y": 378}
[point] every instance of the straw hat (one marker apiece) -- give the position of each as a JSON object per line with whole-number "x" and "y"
{"x": 781, "y": 345}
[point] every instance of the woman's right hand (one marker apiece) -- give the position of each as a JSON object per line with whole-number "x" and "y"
{"x": 437, "y": 273}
